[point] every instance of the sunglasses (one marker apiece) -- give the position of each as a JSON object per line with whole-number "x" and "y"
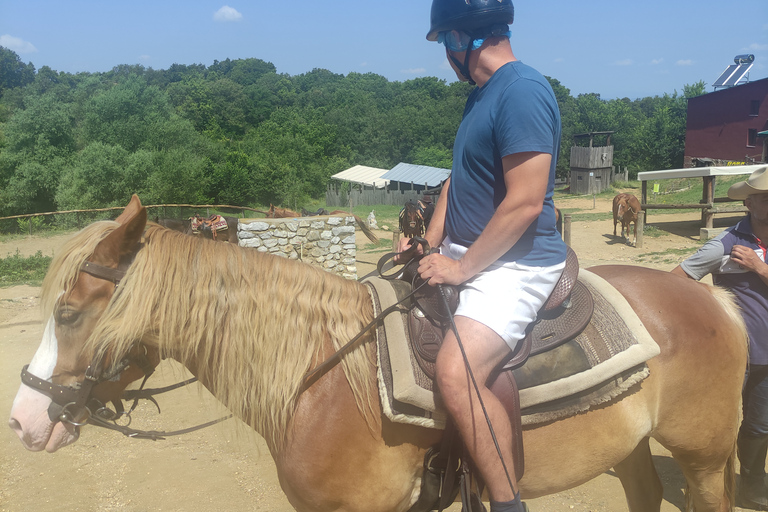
{"x": 458, "y": 41}
{"x": 454, "y": 40}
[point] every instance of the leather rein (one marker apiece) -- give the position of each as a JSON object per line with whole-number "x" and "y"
{"x": 70, "y": 402}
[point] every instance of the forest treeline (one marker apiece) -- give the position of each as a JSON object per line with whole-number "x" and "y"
{"x": 238, "y": 132}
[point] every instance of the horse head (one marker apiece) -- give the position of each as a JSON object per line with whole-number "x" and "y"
{"x": 68, "y": 381}
{"x": 411, "y": 220}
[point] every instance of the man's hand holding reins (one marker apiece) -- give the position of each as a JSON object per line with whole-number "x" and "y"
{"x": 439, "y": 269}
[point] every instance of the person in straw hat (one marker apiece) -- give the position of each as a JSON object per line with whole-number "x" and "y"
{"x": 737, "y": 260}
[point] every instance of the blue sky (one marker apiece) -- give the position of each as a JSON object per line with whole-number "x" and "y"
{"x": 615, "y": 48}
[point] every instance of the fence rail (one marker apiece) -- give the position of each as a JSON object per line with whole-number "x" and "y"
{"x": 30, "y": 216}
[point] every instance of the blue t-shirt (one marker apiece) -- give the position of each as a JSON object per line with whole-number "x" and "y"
{"x": 514, "y": 112}
{"x": 750, "y": 291}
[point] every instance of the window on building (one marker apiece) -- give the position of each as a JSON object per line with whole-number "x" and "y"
{"x": 754, "y": 108}
{"x": 752, "y": 138}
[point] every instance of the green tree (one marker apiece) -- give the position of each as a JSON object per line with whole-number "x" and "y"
{"x": 13, "y": 72}
{"x": 95, "y": 179}
{"x": 38, "y": 141}
{"x": 125, "y": 114}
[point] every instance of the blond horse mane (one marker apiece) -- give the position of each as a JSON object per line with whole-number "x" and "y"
{"x": 248, "y": 324}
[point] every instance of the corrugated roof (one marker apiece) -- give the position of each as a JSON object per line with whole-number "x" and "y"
{"x": 370, "y": 176}
{"x": 418, "y": 174}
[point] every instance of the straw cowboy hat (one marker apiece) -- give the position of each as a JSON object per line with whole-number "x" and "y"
{"x": 756, "y": 184}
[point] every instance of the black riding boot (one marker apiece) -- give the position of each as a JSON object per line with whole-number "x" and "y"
{"x": 753, "y": 493}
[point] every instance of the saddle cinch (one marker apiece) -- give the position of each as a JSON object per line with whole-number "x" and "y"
{"x": 564, "y": 316}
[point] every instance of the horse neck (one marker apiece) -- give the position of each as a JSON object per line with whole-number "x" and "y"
{"x": 272, "y": 320}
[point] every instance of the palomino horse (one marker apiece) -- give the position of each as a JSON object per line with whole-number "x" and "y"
{"x": 250, "y": 326}
{"x": 282, "y": 213}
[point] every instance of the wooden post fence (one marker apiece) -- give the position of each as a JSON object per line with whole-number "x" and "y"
{"x": 639, "y": 226}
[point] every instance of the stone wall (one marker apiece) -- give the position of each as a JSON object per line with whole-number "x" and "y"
{"x": 324, "y": 241}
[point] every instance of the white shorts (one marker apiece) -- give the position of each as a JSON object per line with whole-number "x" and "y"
{"x": 505, "y": 297}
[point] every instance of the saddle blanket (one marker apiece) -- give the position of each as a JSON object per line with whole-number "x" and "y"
{"x": 598, "y": 365}
{"x": 216, "y": 223}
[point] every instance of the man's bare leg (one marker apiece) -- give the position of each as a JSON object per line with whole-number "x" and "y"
{"x": 485, "y": 351}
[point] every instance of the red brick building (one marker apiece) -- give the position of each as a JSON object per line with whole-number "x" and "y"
{"x": 724, "y": 127}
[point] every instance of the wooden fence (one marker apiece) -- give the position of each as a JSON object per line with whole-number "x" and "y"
{"x": 337, "y": 197}
{"x": 87, "y": 216}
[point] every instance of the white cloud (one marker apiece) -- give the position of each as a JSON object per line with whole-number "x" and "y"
{"x": 227, "y": 13}
{"x": 559, "y": 60}
{"x": 625, "y": 62}
{"x": 16, "y": 44}
{"x": 654, "y": 62}
{"x": 684, "y": 62}
{"x": 145, "y": 58}
{"x": 413, "y": 71}
{"x": 757, "y": 47}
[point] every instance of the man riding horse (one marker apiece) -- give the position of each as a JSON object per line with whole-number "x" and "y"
{"x": 495, "y": 225}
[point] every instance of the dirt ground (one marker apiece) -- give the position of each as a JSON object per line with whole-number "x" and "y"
{"x": 229, "y": 467}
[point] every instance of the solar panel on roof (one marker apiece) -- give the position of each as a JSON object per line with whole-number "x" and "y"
{"x": 720, "y": 82}
{"x": 737, "y": 75}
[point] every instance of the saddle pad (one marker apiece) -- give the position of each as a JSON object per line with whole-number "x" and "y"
{"x": 611, "y": 351}
{"x": 219, "y": 223}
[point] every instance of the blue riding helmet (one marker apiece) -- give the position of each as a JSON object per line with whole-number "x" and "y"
{"x": 468, "y": 15}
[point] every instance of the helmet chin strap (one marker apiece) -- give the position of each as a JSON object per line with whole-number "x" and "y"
{"x": 464, "y": 68}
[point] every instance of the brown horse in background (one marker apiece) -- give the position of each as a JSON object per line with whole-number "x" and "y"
{"x": 625, "y": 210}
{"x": 415, "y": 217}
{"x": 281, "y": 213}
{"x": 272, "y": 320}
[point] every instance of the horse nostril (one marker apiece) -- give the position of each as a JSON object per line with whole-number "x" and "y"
{"x": 15, "y": 426}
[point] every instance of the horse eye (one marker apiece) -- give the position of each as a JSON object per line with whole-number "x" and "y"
{"x": 67, "y": 316}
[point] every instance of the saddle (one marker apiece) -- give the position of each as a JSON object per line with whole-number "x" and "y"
{"x": 214, "y": 224}
{"x": 564, "y": 315}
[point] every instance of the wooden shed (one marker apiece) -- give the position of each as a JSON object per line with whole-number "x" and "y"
{"x": 591, "y": 166}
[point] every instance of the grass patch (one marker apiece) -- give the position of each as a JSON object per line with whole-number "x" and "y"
{"x": 384, "y": 245}
{"x": 29, "y": 270}
{"x": 669, "y": 257}
{"x": 687, "y": 190}
{"x": 653, "y": 232}
{"x": 590, "y": 216}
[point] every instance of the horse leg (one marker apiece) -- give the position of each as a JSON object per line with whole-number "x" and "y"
{"x": 640, "y": 481}
{"x": 710, "y": 488}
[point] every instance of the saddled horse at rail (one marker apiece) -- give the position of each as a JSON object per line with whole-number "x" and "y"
{"x": 319, "y": 211}
{"x": 283, "y": 213}
{"x": 271, "y": 320}
{"x": 211, "y": 228}
{"x": 415, "y": 217}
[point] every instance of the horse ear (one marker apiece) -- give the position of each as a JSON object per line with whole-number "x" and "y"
{"x": 134, "y": 205}
{"x": 123, "y": 239}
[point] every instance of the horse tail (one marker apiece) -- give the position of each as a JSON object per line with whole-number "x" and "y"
{"x": 730, "y": 480}
{"x": 727, "y": 301}
{"x": 366, "y": 231}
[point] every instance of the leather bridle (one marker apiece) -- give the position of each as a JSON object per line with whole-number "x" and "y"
{"x": 77, "y": 406}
